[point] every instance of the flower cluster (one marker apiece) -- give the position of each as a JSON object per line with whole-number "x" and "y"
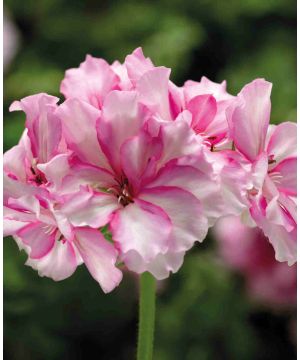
{"x": 130, "y": 154}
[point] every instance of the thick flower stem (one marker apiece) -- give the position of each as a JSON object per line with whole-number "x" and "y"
{"x": 146, "y": 317}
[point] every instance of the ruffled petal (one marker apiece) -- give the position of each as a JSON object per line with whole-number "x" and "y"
{"x": 185, "y": 212}
{"x": 249, "y": 119}
{"x": 91, "y": 82}
{"x": 79, "y": 130}
{"x": 99, "y": 257}
{"x": 59, "y": 264}
{"x": 141, "y": 227}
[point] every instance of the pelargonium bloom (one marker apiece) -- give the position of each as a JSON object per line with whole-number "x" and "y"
{"x": 270, "y": 151}
{"x": 32, "y": 205}
{"x": 248, "y": 251}
{"x": 135, "y": 173}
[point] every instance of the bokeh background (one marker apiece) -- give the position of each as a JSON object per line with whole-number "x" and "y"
{"x": 204, "y": 311}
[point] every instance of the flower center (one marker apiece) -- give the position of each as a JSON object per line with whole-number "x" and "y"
{"x": 124, "y": 196}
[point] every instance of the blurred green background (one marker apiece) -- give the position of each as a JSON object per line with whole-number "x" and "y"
{"x": 203, "y": 311}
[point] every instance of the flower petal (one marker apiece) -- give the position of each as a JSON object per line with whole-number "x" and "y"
{"x": 283, "y": 142}
{"x": 36, "y": 236}
{"x": 91, "y": 82}
{"x": 79, "y": 129}
{"x": 185, "y": 212}
{"x": 153, "y": 89}
{"x": 203, "y": 108}
{"x": 99, "y": 257}
{"x": 59, "y": 264}
{"x": 142, "y": 227}
{"x": 249, "y": 118}
{"x": 90, "y": 209}
{"x": 120, "y": 120}
{"x": 44, "y": 127}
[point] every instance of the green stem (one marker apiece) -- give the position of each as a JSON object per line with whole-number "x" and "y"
{"x": 146, "y": 317}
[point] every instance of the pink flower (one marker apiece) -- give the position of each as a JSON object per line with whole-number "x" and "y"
{"x": 33, "y": 170}
{"x": 207, "y": 102}
{"x": 270, "y": 155}
{"x": 138, "y": 174}
{"x": 248, "y": 251}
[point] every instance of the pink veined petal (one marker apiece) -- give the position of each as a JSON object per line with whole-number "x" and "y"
{"x": 206, "y": 87}
{"x": 59, "y": 264}
{"x": 178, "y": 140}
{"x": 283, "y": 142}
{"x": 153, "y": 90}
{"x": 11, "y": 227}
{"x": 185, "y": 212}
{"x": 160, "y": 267}
{"x": 284, "y": 176}
{"x": 14, "y": 189}
{"x": 203, "y": 109}
{"x": 200, "y": 183}
{"x": 138, "y": 157}
{"x": 136, "y": 65}
{"x": 14, "y": 162}
{"x": 56, "y": 169}
{"x": 277, "y": 214}
{"x": 44, "y": 128}
{"x": 176, "y": 100}
{"x": 90, "y": 209}
{"x": 141, "y": 227}
{"x": 249, "y": 119}
{"x": 121, "y": 71}
{"x": 91, "y": 82}
{"x": 99, "y": 257}
{"x": 79, "y": 130}
{"x": 39, "y": 237}
{"x": 120, "y": 120}
{"x": 283, "y": 241}
{"x": 82, "y": 174}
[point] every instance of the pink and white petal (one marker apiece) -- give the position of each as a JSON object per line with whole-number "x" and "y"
{"x": 91, "y": 82}
{"x": 284, "y": 175}
{"x": 44, "y": 128}
{"x": 14, "y": 189}
{"x": 11, "y": 226}
{"x": 136, "y": 65}
{"x": 277, "y": 214}
{"x": 99, "y": 257}
{"x": 59, "y": 264}
{"x": 283, "y": 142}
{"x": 283, "y": 241}
{"x": 39, "y": 237}
{"x": 185, "y": 212}
{"x": 249, "y": 118}
{"x": 206, "y": 87}
{"x": 142, "y": 227}
{"x": 55, "y": 170}
{"x": 14, "y": 162}
{"x": 178, "y": 140}
{"x": 203, "y": 108}
{"x": 120, "y": 120}
{"x": 92, "y": 209}
{"x": 121, "y": 71}
{"x": 199, "y": 183}
{"x": 153, "y": 90}
{"x": 138, "y": 158}
{"x": 160, "y": 267}
{"x": 79, "y": 130}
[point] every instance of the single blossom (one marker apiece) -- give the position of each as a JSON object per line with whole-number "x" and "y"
{"x": 270, "y": 151}
{"x": 248, "y": 251}
{"x": 149, "y": 180}
{"x": 32, "y": 203}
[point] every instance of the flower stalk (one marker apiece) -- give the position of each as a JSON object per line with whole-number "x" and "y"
{"x": 146, "y": 317}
